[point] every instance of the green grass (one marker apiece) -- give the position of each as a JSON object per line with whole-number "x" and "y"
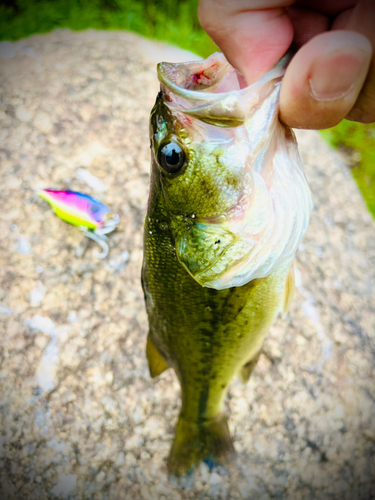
{"x": 176, "y": 22}
{"x": 358, "y": 141}
{"x": 173, "y": 21}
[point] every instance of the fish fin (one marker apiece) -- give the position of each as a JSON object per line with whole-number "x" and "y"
{"x": 247, "y": 369}
{"x": 289, "y": 290}
{"x": 194, "y": 442}
{"x": 156, "y": 363}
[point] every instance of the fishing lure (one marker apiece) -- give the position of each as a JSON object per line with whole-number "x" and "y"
{"x": 91, "y": 216}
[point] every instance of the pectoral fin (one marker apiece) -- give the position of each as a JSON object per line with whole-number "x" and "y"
{"x": 156, "y": 363}
{"x": 248, "y": 369}
{"x": 289, "y": 290}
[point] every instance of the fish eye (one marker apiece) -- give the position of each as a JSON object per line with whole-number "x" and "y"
{"x": 171, "y": 157}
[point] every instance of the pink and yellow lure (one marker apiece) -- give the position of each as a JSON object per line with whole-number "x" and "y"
{"x": 91, "y": 216}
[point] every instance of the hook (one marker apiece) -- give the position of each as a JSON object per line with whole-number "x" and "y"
{"x": 100, "y": 239}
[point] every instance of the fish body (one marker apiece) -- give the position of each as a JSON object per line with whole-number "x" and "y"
{"x": 228, "y": 206}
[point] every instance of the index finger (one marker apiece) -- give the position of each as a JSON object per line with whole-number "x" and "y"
{"x": 253, "y": 34}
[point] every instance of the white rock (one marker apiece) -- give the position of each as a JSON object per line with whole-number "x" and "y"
{"x": 137, "y": 418}
{"x": 92, "y": 181}
{"x": 43, "y": 123}
{"x": 4, "y": 309}
{"x": 99, "y": 478}
{"x": 134, "y": 443}
{"x": 24, "y": 246}
{"x": 215, "y": 478}
{"x": 37, "y": 294}
{"x": 23, "y": 114}
{"x": 120, "y": 459}
{"x": 42, "y": 324}
{"x": 65, "y": 486}
{"x": 204, "y": 471}
{"x": 86, "y": 112}
{"x": 46, "y": 372}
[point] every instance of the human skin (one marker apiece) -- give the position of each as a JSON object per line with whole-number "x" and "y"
{"x": 332, "y": 74}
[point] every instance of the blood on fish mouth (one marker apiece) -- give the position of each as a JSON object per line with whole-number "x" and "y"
{"x": 200, "y": 78}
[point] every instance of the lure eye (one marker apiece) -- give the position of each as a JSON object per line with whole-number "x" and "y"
{"x": 171, "y": 157}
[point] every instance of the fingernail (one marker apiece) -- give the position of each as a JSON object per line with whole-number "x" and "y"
{"x": 333, "y": 76}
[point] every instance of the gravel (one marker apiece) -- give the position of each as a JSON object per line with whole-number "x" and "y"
{"x": 80, "y": 416}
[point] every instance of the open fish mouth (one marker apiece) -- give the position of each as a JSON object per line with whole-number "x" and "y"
{"x": 269, "y": 210}
{"x": 213, "y": 91}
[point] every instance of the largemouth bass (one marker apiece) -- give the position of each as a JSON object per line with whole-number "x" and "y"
{"x": 228, "y": 206}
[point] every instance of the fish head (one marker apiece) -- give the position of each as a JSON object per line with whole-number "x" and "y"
{"x": 219, "y": 152}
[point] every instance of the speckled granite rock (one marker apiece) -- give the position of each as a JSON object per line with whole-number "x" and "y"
{"x": 80, "y": 416}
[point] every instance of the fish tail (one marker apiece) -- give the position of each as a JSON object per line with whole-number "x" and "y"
{"x": 194, "y": 442}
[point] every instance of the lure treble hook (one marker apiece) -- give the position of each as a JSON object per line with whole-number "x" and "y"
{"x": 99, "y": 239}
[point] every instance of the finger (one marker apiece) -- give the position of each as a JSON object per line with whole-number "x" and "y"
{"x": 306, "y": 23}
{"x": 362, "y": 20}
{"x": 331, "y": 7}
{"x": 253, "y": 34}
{"x": 324, "y": 79}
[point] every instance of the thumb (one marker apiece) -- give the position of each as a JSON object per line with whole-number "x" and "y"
{"x": 252, "y": 40}
{"x": 324, "y": 79}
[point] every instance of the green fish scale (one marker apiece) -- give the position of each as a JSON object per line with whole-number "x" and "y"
{"x": 206, "y": 335}
{"x": 199, "y": 188}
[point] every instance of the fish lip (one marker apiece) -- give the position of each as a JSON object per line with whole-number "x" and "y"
{"x": 164, "y": 69}
{"x": 223, "y": 103}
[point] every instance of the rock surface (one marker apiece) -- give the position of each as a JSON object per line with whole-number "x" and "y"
{"x": 80, "y": 416}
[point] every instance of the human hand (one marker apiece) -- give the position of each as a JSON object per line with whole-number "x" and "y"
{"x": 332, "y": 75}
